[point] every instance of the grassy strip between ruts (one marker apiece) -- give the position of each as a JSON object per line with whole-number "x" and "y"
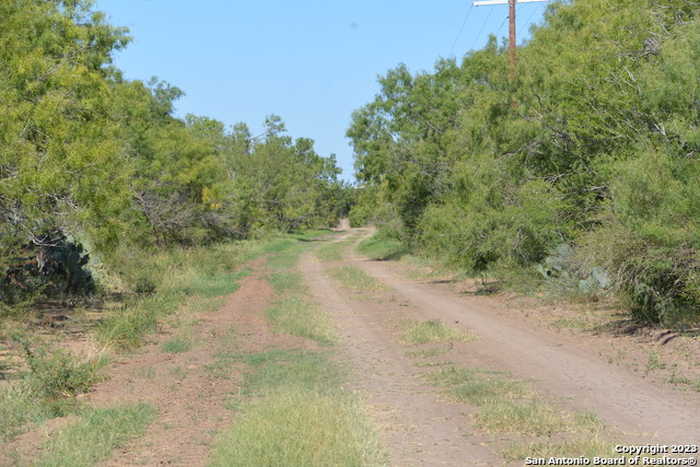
{"x": 506, "y": 405}
{"x": 333, "y": 251}
{"x": 356, "y": 279}
{"x": 292, "y": 312}
{"x": 294, "y": 412}
{"x": 293, "y": 408}
{"x": 425, "y": 332}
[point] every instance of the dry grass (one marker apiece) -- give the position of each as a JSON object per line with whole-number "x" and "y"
{"x": 431, "y": 331}
{"x": 356, "y": 279}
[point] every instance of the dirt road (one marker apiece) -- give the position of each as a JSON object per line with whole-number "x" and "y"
{"x": 420, "y": 428}
{"x": 417, "y": 428}
{"x": 198, "y": 391}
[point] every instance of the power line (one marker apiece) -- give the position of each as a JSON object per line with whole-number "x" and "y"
{"x": 483, "y": 25}
{"x": 529, "y": 18}
{"x": 461, "y": 30}
{"x": 502, "y": 24}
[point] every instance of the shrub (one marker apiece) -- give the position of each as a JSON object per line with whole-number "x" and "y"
{"x": 660, "y": 285}
{"x": 55, "y": 267}
{"x": 372, "y": 207}
{"x": 648, "y": 239}
{"x": 57, "y": 373}
{"x": 492, "y": 218}
{"x": 144, "y": 285}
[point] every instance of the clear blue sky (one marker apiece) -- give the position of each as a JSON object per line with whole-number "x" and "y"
{"x": 310, "y": 61}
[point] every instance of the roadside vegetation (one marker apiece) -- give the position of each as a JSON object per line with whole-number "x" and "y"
{"x": 182, "y": 282}
{"x": 94, "y": 436}
{"x": 47, "y": 389}
{"x": 382, "y": 246}
{"x": 115, "y": 213}
{"x": 578, "y": 178}
{"x": 45, "y": 384}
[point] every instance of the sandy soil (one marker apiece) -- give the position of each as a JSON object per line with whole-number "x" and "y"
{"x": 190, "y": 399}
{"x": 558, "y": 364}
{"x": 416, "y": 427}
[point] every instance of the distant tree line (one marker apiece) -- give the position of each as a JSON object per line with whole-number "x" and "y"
{"x": 584, "y": 170}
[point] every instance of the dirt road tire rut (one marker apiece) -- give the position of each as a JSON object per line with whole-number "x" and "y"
{"x": 623, "y": 400}
{"x": 417, "y": 428}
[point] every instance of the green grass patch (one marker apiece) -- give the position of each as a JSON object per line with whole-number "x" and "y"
{"x": 278, "y": 368}
{"x": 292, "y": 312}
{"x": 216, "y": 285}
{"x": 284, "y": 282}
{"x": 380, "y": 247}
{"x": 47, "y": 389}
{"x": 590, "y": 448}
{"x": 478, "y": 387}
{"x": 333, "y": 251}
{"x": 178, "y": 344}
{"x": 313, "y": 235}
{"x": 297, "y": 427}
{"x": 278, "y": 245}
{"x": 125, "y": 329}
{"x": 203, "y": 305}
{"x": 570, "y": 323}
{"x": 510, "y": 406}
{"x": 424, "y": 332}
{"x": 525, "y": 417}
{"x": 295, "y": 413}
{"x": 356, "y": 279}
{"x": 94, "y": 437}
{"x": 57, "y": 373}
{"x": 296, "y": 316}
{"x": 300, "y": 369}
{"x": 287, "y": 255}
{"x": 427, "y": 353}
{"x": 22, "y": 406}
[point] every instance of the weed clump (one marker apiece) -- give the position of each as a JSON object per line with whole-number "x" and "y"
{"x": 177, "y": 345}
{"x": 432, "y": 330}
{"x": 57, "y": 373}
{"x": 95, "y": 435}
{"x": 355, "y": 278}
{"x": 47, "y": 389}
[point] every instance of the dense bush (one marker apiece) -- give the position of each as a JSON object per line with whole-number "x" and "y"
{"x": 594, "y": 146}
{"x": 55, "y": 267}
{"x": 90, "y": 155}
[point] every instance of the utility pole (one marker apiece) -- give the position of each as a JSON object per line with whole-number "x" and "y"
{"x": 512, "y": 39}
